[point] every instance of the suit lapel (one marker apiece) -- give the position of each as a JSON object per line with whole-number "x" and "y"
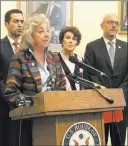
{"x": 34, "y": 71}
{"x": 105, "y": 53}
{"x": 8, "y": 47}
{"x": 54, "y": 60}
{"x": 117, "y": 55}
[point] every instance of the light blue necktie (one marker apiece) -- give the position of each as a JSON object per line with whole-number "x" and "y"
{"x": 111, "y": 53}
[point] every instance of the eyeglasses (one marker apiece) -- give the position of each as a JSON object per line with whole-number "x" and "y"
{"x": 111, "y": 22}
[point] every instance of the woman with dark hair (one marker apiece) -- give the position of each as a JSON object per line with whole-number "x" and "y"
{"x": 70, "y": 37}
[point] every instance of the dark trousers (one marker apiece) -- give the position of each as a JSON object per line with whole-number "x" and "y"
{"x": 26, "y": 133}
{"x": 117, "y": 133}
{"x": 125, "y": 114}
{"x": 4, "y": 131}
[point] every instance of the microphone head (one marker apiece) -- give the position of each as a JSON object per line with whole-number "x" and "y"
{"x": 73, "y": 59}
{"x": 111, "y": 101}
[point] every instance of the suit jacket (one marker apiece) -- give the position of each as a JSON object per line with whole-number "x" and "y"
{"x": 24, "y": 76}
{"x": 56, "y": 17}
{"x": 6, "y": 54}
{"x": 96, "y": 55}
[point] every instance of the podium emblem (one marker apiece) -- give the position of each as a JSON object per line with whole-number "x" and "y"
{"x": 81, "y": 134}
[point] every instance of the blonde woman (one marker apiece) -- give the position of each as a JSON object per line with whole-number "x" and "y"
{"x": 28, "y": 69}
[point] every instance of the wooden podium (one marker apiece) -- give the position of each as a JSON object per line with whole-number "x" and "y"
{"x": 54, "y": 112}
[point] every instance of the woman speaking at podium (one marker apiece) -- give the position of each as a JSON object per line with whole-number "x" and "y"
{"x": 28, "y": 72}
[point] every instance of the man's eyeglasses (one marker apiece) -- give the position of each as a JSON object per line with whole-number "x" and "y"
{"x": 110, "y": 22}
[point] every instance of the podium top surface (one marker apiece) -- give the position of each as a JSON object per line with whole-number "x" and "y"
{"x": 71, "y": 102}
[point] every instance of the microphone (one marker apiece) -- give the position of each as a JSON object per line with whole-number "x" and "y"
{"x": 93, "y": 86}
{"x": 86, "y": 81}
{"x": 24, "y": 100}
{"x": 74, "y": 59}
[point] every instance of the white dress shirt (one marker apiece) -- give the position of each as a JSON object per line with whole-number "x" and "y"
{"x": 44, "y": 73}
{"x": 71, "y": 67}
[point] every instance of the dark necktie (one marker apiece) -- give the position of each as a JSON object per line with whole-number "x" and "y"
{"x": 111, "y": 53}
{"x": 16, "y": 47}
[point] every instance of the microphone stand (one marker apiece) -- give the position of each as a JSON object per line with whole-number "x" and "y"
{"x": 109, "y": 100}
{"x": 101, "y": 75}
{"x": 90, "y": 69}
{"x": 108, "y": 80}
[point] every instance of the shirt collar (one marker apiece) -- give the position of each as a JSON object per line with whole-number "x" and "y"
{"x": 46, "y": 52}
{"x": 106, "y": 40}
{"x": 12, "y": 41}
{"x": 64, "y": 56}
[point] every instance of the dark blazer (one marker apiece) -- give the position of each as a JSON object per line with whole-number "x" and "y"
{"x": 24, "y": 76}
{"x": 96, "y": 55}
{"x": 6, "y": 54}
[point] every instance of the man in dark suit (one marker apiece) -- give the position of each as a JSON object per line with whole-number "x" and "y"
{"x": 110, "y": 55}
{"x": 13, "y": 22}
{"x": 55, "y": 15}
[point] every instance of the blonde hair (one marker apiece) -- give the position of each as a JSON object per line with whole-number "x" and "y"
{"x": 28, "y": 28}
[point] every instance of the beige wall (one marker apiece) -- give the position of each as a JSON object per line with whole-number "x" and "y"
{"x": 87, "y": 16}
{"x": 5, "y": 6}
